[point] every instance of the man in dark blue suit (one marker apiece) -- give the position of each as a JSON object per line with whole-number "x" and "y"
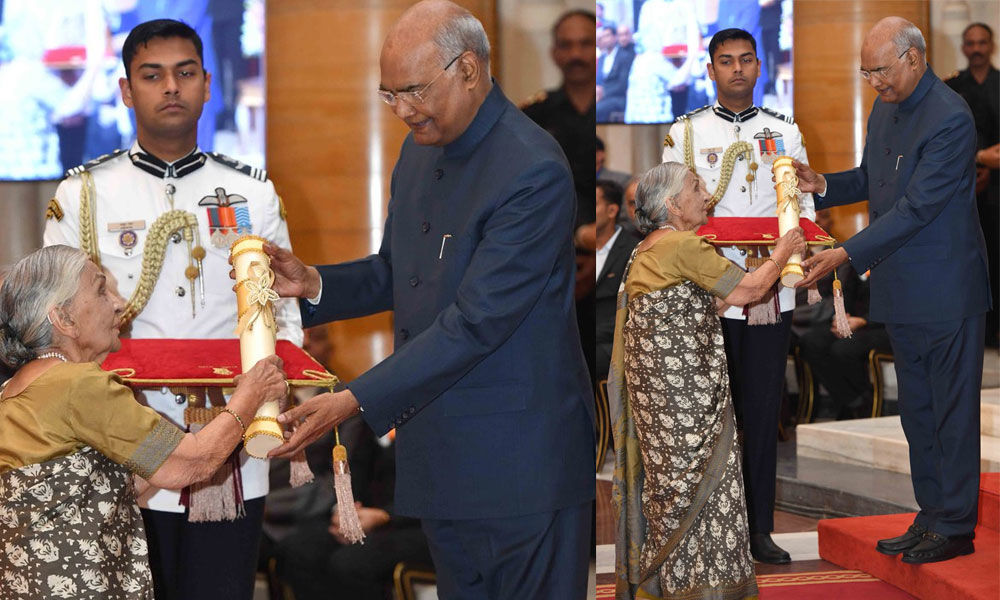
{"x": 929, "y": 281}
{"x": 487, "y": 387}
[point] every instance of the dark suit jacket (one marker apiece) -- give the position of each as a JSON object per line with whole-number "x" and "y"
{"x": 923, "y": 243}
{"x": 487, "y": 386}
{"x": 616, "y": 81}
{"x": 606, "y": 296}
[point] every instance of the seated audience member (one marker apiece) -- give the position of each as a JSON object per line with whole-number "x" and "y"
{"x": 612, "y": 76}
{"x": 626, "y": 217}
{"x": 840, "y": 365}
{"x": 603, "y": 173}
{"x": 614, "y": 247}
{"x": 76, "y": 445}
{"x": 316, "y": 561}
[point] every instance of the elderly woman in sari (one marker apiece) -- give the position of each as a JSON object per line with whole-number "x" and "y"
{"x": 74, "y": 436}
{"x": 678, "y": 489}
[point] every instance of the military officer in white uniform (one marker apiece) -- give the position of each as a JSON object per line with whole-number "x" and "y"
{"x": 166, "y": 198}
{"x": 732, "y": 145}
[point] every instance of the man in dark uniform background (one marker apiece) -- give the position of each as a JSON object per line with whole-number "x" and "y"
{"x": 567, "y": 112}
{"x": 979, "y": 84}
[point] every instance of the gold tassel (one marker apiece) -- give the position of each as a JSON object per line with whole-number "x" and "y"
{"x": 220, "y": 497}
{"x": 350, "y": 524}
{"x": 840, "y": 322}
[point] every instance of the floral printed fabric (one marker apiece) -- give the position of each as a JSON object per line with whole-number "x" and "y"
{"x": 70, "y": 528}
{"x": 677, "y": 460}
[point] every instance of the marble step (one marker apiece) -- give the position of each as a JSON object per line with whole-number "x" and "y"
{"x": 990, "y": 424}
{"x": 877, "y": 443}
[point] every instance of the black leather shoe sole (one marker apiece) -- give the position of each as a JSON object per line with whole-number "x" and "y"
{"x": 946, "y": 551}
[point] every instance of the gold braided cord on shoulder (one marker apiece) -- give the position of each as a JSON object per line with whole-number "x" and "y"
{"x": 689, "y": 144}
{"x": 152, "y": 256}
{"x": 88, "y": 217}
{"x": 726, "y": 173}
{"x": 728, "y": 161}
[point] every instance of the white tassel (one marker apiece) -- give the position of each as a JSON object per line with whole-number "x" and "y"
{"x": 350, "y": 524}
{"x": 299, "y": 471}
{"x": 840, "y": 322}
{"x": 812, "y": 295}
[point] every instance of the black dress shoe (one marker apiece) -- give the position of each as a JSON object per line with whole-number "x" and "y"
{"x": 765, "y": 550}
{"x": 901, "y": 543}
{"x": 935, "y": 547}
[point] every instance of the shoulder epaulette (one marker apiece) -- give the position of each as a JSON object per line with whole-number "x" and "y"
{"x": 535, "y": 98}
{"x": 90, "y": 164}
{"x": 692, "y": 113}
{"x": 778, "y": 115}
{"x": 232, "y": 163}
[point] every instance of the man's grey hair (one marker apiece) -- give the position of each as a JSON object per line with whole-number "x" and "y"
{"x": 43, "y": 280}
{"x": 460, "y": 33}
{"x": 662, "y": 182}
{"x": 907, "y": 37}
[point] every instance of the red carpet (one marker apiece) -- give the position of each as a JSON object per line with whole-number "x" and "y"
{"x": 817, "y": 585}
{"x": 989, "y": 500}
{"x": 826, "y": 585}
{"x": 850, "y": 543}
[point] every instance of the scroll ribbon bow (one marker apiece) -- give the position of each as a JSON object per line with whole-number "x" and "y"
{"x": 792, "y": 192}
{"x": 260, "y": 297}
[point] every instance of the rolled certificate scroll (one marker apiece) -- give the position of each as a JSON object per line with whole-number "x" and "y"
{"x": 787, "y": 190}
{"x": 257, "y": 330}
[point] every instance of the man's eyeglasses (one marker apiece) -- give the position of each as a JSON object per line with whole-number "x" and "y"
{"x": 415, "y": 96}
{"x": 882, "y": 72}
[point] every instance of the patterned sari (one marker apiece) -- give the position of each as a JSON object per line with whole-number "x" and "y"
{"x": 69, "y": 523}
{"x": 677, "y": 492}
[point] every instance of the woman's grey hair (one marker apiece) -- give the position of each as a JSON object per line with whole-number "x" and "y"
{"x": 907, "y": 37}
{"x": 659, "y": 183}
{"x": 460, "y": 33}
{"x": 39, "y": 282}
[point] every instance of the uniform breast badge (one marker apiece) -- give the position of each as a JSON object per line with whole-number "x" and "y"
{"x": 127, "y": 236}
{"x": 228, "y": 217}
{"x": 770, "y": 144}
{"x": 711, "y": 155}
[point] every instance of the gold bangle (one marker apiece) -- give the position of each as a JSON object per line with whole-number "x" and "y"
{"x": 237, "y": 417}
{"x": 771, "y": 258}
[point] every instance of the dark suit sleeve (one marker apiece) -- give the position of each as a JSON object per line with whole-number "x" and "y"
{"x": 933, "y": 184}
{"x": 509, "y": 269}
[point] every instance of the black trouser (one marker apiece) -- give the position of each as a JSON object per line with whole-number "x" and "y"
{"x": 757, "y": 355}
{"x": 210, "y": 561}
{"x": 841, "y": 365}
{"x": 318, "y": 567}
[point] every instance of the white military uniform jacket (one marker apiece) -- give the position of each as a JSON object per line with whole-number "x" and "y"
{"x": 132, "y": 191}
{"x": 771, "y": 134}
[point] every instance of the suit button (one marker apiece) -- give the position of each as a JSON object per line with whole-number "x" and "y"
{"x": 179, "y": 399}
{"x": 887, "y": 151}
{"x": 404, "y": 334}
{"x": 881, "y": 183}
{"x": 438, "y": 173}
{"x": 414, "y": 281}
{"x": 425, "y": 227}
{"x": 179, "y": 291}
{"x": 874, "y": 214}
{"x": 176, "y": 237}
{"x": 410, "y": 410}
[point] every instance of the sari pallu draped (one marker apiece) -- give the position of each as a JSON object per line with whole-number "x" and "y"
{"x": 677, "y": 486}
